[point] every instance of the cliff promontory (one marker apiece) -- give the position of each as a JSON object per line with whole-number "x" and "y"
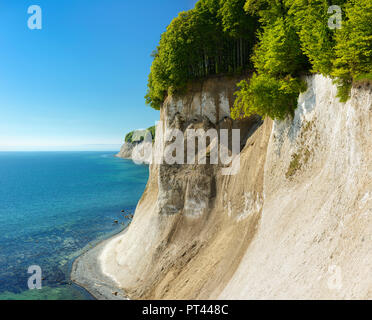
{"x": 134, "y": 140}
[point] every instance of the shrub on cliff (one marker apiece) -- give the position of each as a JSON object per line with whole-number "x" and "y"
{"x": 267, "y": 96}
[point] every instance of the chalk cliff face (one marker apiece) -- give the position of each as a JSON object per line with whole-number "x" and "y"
{"x": 295, "y": 222}
{"x": 314, "y": 237}
{"x": 126, "y": 150}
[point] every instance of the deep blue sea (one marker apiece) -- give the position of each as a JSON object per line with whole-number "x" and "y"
{"x": 54, "y": 205}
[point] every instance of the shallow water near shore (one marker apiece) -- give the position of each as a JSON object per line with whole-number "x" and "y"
{"x": 52, "y": 206}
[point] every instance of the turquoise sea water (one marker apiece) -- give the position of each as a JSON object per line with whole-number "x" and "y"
{"x": 54, "y": 204}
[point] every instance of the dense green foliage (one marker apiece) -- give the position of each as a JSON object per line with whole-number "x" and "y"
{"x": 215, "y": 37}
{"x": 278, "y": 52}
{"x": 267, "y": 96}
{"x": 354, "y": 47}
{"x": 278, "y": 60}
{"x": 282, "y": 40}
{"x": 310, "y": 19}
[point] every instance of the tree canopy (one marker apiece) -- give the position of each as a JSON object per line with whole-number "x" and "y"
{"x": 278, "y": 40}
{"x": 353, "y": 50}
{"x": 215, "y": 37}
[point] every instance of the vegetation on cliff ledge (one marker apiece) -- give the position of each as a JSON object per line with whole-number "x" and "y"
{"x": 139, "y": 135}
{"x": 278, "y": 40}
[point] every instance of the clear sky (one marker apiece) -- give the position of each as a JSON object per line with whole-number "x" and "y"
{"x": 79, "y": 82}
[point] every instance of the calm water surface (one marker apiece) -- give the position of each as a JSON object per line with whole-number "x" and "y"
{"x": 54, "y": 204}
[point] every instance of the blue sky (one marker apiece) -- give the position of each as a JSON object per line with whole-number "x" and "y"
{"x": 79, "y": 83}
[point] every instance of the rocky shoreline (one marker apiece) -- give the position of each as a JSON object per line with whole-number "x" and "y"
{"x": 86, "y": 272}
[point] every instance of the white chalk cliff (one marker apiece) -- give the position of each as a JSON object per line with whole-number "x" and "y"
{"x": 295, "y": 222}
